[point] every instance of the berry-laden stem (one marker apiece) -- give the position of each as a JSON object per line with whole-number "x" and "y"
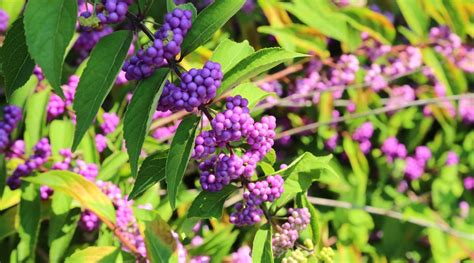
{"x": 125, "y": 241}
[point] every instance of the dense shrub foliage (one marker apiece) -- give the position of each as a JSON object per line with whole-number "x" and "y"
{"x": 236, "y": 131}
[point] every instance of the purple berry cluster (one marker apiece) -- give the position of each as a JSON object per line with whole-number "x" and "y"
{"x": 165, "y": 47}
{"x": 287, "y": 234}
{"x": 4, "y": 18}
{"x": 362, "y": 135}
{"x": 87, "y": 40}
{"x": 113, "y": 11}
{"x": 245, "y": 214}
{"x": 16, "y": 150}
{"x": 393, "y": 149}
{"x": 373, "y": 48}
{"x": 233, "y": 125}
{"x": 197, "y": 87}
{"x": 400, "y": 96}
{"x": 89, "y": 221}
{"x": 41, "y": 153}
{"x": 415, "y": 165}
{"x": 452, "y": 158}
{"x": 11, "y": 117}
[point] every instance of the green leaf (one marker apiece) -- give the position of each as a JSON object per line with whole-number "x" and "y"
{"x": 321, "y": 16}
{"x": 208, "y": 22}
{"x": 210, "y": 204}
{"x": 297, "y": 37}
{"x": 17, "y": 64}
{"x": 29, "y": 214}
{"x": 49, "y": 27}
{"x": 61, "y": 134}
{"x": 415, "y": 15}
{"x": 313, "y": 228}
{"x": 252, "y": 93}
{"x": 35, "y": 121}
{"x": 112, "y": 165}
{"x": 256, "y": 63}
{"x": 151, "y": 172}
{"x": 87, "y": 147}
{"x": 228, "y": 53}
{"x": 79, "y": 188}
{"x": 13, "y": 8}
{"x": 301, "y": 173}
{"x": 3, "y": 174}
{"x": 140, "y": 113}
{"x": 98, "y": 78}
{"x": 7, "y": 222}
{"x": 262, "y": 245}
{"x": 179, "y": 154}
{"x": 159, "y": 241}
{"x": 103, "y": 254}
{"x": 374, "y": 23}
{"x": 62, "y": 225}
{"x": 21, "y": 95}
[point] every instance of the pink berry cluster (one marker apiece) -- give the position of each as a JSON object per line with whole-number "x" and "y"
{"x": 415, "y": 165}
{"x": 362, "y": 135}
{"x": 56, "y": 105}
{"x": 4, "y": 18}
{"x": 450, "y": 45}
{"x": 41, "y": 153}
{"x": 197, "y": 87}
{"x": 165, "y": 132}
{"x": 286, "y": 235}
{"x": 69, "y": 162}
{"x": 108, "y": 11}
{"x": 165, "y": 47}
{"x": 393, "y": 149}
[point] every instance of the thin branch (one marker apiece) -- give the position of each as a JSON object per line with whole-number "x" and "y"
{"x": 381, "y": 110}
{"x": 392, "y": 214}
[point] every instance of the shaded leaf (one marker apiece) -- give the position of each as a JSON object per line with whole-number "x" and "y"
{"x": 140, "y": 113}
{"x": 98, "y": 78}
{"x": 151, "y": 172}
{"x": 49, "y": 27}
{"x": 179, "y": 154}
{"x": 29, "y": 214}
{"x": 210, "y": 204}
{"x": 62, "y": 225}
{"x": 159, "y": 240}
{"x": 17, "y": 64}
